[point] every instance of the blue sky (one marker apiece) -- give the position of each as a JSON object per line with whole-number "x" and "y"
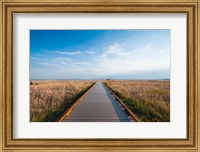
{"x": 99, "y": 54}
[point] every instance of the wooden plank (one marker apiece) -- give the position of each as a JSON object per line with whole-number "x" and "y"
{"x": 69, "y": 110}
{"x": 98, "y": 106}
{"x": 98, "y": 118}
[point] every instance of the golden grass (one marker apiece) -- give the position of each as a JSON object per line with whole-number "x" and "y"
{"x": 149, "y": 100}
{"x": 49, "y": 99}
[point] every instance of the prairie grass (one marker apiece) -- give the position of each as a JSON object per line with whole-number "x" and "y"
{"x": 49, "y": 99}
{"x": 149, "y": 100}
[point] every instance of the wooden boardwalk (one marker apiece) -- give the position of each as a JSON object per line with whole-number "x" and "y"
{"x": 99, "y": 105}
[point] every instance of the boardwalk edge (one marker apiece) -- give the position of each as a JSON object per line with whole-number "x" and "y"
{"x": 69, "y": 110}
{"x": 124, "y": 105}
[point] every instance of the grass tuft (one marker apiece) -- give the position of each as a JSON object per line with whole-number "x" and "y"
{"x": 49, "y": 99}
{"x": 149, "y": 100}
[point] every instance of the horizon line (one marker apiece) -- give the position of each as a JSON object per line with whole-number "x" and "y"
{"x": 103, "y": 79}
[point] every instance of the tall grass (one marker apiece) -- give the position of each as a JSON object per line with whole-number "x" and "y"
{"x": 49, "y": 99}
{"x": 149, "y": 100}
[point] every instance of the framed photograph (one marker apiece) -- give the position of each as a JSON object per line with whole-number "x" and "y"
{"x": 99, "y": 75}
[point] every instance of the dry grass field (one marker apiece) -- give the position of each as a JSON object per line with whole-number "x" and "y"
{"x": 49, "y": 99}
{"x": 149, "y": 100}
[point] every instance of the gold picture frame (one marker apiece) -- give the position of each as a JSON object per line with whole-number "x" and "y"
{"x": 9, "y": 7}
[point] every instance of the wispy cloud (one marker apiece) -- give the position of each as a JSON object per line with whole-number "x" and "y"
{"x": 46, "y": 63}
{"x": 69, "y": 53}
{"x": 62, "y": 59}
{"x": 114, "y": 60}
{"x": 120, "y": 57}
{"x": 116, "y": 49}
{"x": 63, "y": 62}
{"x": 90, "y": 52}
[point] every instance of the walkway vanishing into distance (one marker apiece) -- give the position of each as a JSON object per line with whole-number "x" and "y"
{"x": 99, "y": 105}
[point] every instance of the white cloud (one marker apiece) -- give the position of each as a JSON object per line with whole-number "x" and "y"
{"x": 63, "y": 63}
{"x": 46, "y": 63}
{"x": 69, "y": 53}
{"x": 62, "y": 59}
{"x": 90, "y": 52}
{"x": 115, "y": 60}
{"x": 145, "y": 48}
{"x": 118, "y": 59}
{"x": 116, "y": 49}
